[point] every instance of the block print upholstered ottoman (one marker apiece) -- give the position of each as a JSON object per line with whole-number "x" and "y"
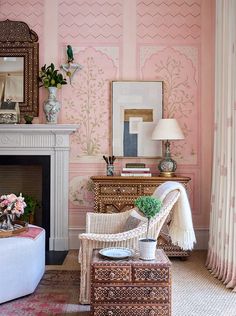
{"x": 22, "y": 263}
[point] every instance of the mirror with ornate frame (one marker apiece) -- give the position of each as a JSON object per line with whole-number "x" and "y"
{"x": 19, "y": 51}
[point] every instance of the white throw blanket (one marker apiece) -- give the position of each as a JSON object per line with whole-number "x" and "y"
{"x": 181, "y": 226}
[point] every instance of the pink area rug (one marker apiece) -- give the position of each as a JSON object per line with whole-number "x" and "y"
{"x": 56, "y": 294}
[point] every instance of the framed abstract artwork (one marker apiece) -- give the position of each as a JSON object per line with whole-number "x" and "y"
{"x": 136, "y": 108}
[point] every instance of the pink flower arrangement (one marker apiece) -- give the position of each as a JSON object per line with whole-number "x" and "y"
{"x": 12, "y": 204}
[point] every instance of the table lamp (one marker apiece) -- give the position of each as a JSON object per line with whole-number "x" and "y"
{"x": 167, "y": 129}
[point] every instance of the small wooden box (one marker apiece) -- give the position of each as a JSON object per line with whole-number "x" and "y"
{"x": 131, "y": 287}
{"x": 9, "y": 113}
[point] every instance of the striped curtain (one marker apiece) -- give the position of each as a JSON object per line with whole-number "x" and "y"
{"x": 221, "y": 258}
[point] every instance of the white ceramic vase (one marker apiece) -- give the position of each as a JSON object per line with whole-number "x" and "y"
{"x": 52, "y": 106}
{"x": 147, "y": 249}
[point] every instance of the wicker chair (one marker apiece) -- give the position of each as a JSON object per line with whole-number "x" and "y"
{"x": 104, "y": 230}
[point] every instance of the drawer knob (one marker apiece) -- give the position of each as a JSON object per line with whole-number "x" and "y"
{"x": 111, "y": 294}
{"x": 152, "y": 294}
{"x": 151, "y": 275}
{"x": 110, "y": 313}
{"x": 112, "y": 275}
{"x": 118, "y": 190}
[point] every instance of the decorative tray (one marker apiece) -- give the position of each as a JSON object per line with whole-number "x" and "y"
{"x": 19, "y": 227}
{"x": 116, "y": 252}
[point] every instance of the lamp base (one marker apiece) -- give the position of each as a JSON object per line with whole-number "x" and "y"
{"x": 167, "y": 174}
{"x": 167, "y": 165}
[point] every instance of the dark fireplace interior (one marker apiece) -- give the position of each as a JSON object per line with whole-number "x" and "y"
{"x": 29, "y": 175}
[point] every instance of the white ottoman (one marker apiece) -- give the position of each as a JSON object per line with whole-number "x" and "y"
{"x": 22, "y": 265}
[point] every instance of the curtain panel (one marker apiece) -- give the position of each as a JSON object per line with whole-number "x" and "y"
{"x": 221, "y": 259}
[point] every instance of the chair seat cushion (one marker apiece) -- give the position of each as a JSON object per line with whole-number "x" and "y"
{"x": 134, "y": 220}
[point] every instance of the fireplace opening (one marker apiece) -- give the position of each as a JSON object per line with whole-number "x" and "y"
{"x": 29, "y": 175}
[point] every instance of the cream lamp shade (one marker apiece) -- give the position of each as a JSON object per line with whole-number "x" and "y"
{"x": 167, "y": 129}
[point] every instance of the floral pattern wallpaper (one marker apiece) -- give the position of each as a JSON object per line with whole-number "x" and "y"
{"x": 88, "y": 103}
{"x": 179, "y": 74}
{"x": 81, "y": 192}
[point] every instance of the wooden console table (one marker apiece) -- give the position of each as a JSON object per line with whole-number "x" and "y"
{"x": 131, "y": 287}
{"x": 117, "y": 194}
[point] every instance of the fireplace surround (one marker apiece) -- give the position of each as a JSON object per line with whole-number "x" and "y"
{"x": 45, "y": 140}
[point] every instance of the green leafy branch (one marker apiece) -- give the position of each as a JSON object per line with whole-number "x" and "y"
{"x": 50, "y": 77}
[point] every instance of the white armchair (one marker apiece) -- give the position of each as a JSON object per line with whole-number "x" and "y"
{"x": 105, "y": 230}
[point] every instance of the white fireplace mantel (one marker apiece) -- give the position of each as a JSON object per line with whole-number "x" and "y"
{"x": 51, "y": 140}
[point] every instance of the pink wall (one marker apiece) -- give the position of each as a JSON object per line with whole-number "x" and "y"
{"x": 166, "y": 40}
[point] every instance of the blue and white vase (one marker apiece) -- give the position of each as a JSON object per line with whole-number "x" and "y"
{"x": 52, "y": 106}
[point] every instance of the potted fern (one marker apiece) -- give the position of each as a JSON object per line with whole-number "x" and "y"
{"x": 149, "y": 206}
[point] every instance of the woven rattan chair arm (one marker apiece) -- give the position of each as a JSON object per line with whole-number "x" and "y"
{"x": 109, "y": 237}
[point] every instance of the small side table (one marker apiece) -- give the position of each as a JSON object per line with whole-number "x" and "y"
{"x": 131, "y": 287}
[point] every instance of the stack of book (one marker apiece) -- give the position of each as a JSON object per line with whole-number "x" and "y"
{"x": 136, "y": 172}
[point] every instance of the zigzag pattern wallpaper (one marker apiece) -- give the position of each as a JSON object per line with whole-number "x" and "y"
{"x": 168, "y": 20}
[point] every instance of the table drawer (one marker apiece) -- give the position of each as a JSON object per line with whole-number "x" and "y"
{"x": 119, "y": 189}
{"x": 128, "y": 294}
{"x": 155, "y": 274}
{"x": 111, "y": 274}
{"x": 148, "y": 190}
{"x": 132, "y": 310}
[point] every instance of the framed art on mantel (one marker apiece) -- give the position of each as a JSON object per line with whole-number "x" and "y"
{"x": 136, "y": 109}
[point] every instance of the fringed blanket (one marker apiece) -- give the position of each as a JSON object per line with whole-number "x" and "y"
{"x": 181, "y": 227}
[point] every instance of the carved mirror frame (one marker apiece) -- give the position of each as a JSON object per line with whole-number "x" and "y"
{"x": 18, "y": 40}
